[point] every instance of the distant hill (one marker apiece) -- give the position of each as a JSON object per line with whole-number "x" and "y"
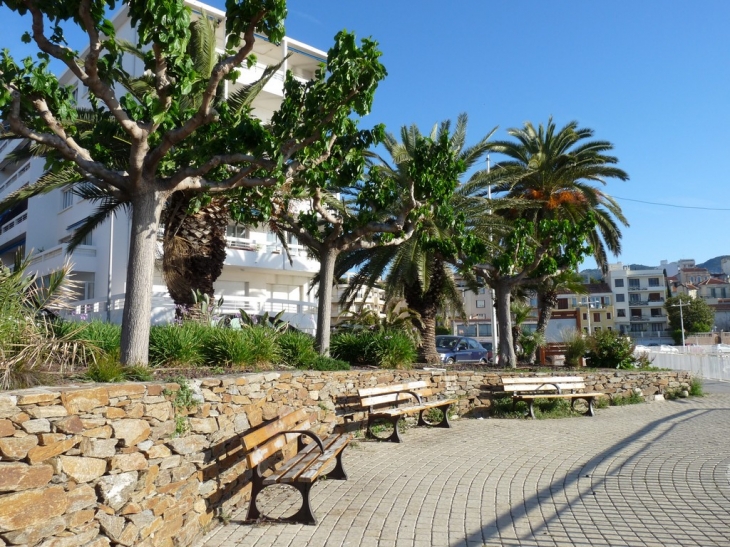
{"x": 596, "y": 273}
{"x": 714, "y": 264}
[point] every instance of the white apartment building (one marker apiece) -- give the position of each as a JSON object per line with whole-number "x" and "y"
{"x": 639, "y": 297}
{"x": 257, "y": 275}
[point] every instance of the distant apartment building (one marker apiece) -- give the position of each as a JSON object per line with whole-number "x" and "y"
{"x": 258, "y": 275}
{"x": 479, "y": 322}
{"x": 372, "y": 299}
{"x": 595, "y": 309}
{"x": 639, "y": 297}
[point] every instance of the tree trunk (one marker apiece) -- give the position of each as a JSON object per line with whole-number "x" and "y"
{"x": 507, "y": 357}
{"x": 427, "y": 352}
{"x": 547, "y": 299}
{"x": 146, "y": 211}
{"x": 327, "y": 260}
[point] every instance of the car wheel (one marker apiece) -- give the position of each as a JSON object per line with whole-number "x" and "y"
{"x": 483, "y": 361}
{"x": 449, "y": 361}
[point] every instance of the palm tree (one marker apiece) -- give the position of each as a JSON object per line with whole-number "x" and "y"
{"x": 553, "y": 173}
{"x": 417, "y": 270}
{"x": 557, "y": 170}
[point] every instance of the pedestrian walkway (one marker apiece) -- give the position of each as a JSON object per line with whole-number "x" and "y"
{"x": 646, "y": 475}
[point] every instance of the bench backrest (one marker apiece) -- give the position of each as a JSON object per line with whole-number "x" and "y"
{"x": 393, "y": 394}
{"x": 266, "y": 441}
{"x": 545, "y": 383}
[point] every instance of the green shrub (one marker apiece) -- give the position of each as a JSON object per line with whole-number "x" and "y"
{"x": 576, "y": 346}
{"x": 696, "y": 389}
{"x": 355, "y": 348}
{"x": 393, "y": 349}
{"x": 327, "y": 363}
{"x": 106, "y": 336}
{"x": 178, "y": 344}
{"x": 261, "y": 346}
{"x": 106, "y": 369}
{"x": 296, "y": 349}
{"x": 225, "y": 347}
{"x": 632, "y": 398}
{"x": 608, "y": 349}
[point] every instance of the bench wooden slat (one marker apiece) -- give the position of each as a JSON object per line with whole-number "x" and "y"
{"x": 270, "y": 448}
{"x": 296, "y": 465}
{"x": 543, "y": 379}
{"x": 407, "y": 386}
{"x": 311, "y": 474}
{"x": 412, "y": 409}
{"x": 542, "y": 386}
{"x": 395, "y": 397}
{"x": 557, "y": 396}
{"x": 259, "y": 436}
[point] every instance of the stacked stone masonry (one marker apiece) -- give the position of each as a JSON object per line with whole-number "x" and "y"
{"x": 106, "y": 464}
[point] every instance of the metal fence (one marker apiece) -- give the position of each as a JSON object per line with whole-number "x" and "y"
{"x": 712, "y": 366}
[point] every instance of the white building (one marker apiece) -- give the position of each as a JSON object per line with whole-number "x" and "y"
{"x": 257, "y": 275}
{"x": 639, "y": 297}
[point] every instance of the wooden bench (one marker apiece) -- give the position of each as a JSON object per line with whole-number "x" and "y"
{"x": 299, "y": 471}
{"x": 384, "y": 403}
{"x": 550, "y": 387}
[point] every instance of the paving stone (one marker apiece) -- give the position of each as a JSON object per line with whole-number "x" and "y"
{"x": 658, "y": 474}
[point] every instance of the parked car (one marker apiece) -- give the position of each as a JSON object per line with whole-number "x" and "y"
{"x": 460, "y": 349}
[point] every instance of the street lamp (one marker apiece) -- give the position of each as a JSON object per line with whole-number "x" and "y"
{"x": 495, "y": 336}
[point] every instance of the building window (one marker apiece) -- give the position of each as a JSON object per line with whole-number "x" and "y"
{"x": 656, "y": 312}
{"x": 597, "y": 317}
{"x": 620, "y": 297}
{"x": 658, "y": 327}
{"x": 618, "y": 282}
{"x": 485, "y": 329}
{"x": 67, "y": 199}
{"x": 609, "y": 329}
{"x": 466, "y": 330}
{"x": 87, "y": 239}
{"x": 605, "y": 300}
{"x": 482, "y": 290}
{"x": 653, "y": 281}
{"x": 636, "y": 313}
{"x": 574, "y": 302}
{"x": 481, "y": 303}
{"x": 634, "y": 284}
{"x": 621, "y": 313}
{"x": 585, "y": 317}
{"x": 597, "y": 329}
{"x": 608, "y": 316}
{"x": 562, "y": 303}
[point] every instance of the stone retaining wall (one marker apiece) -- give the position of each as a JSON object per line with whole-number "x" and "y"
{"x": 106, "y": 464}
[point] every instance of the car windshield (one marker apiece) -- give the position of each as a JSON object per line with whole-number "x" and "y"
{"x": 447, "y": 342}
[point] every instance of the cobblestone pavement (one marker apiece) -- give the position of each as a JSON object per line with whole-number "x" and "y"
{"x": 646, "y": 475}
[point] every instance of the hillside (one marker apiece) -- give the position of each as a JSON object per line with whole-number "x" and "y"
{"x": 713, "y": 264}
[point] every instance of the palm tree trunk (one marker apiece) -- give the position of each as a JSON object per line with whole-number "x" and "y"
{"x": 427, "y": 350}
{"x": 194, "y": 248}
{"x": 327, "y": 260}
{"x": 146, "y": 211}
{"x": 507, "y": 357}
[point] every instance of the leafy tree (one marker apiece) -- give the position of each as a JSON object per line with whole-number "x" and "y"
{"x": 355, "y": 210}
{"x": 609, "y": 349}
{"x": 531, "y": 251}
{"x": 696, "y": 314}
{"x": 418, "y": 270}
{"x": 175, "y": 145}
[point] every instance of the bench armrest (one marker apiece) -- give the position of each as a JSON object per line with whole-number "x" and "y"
{"x": 556, "y": 386}
{"x": 416, "y": 395}
{"x": 309, "y": 434}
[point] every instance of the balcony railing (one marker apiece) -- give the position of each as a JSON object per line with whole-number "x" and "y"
{"x": 15, "y": 177}
{"x": 644, "y": 317}
{"x": 659, "y": 302}
{"x": 22, "y": 217}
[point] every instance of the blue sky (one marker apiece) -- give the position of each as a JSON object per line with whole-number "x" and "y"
{"x": 651, "y": 77}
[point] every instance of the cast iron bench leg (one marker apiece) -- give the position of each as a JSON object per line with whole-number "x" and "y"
{"x": 531, "y": 410}
{"x": 395, "y": 437}
{"x": 257, "y": 485}
{"x": 338, "y": 473}
{"x": 589, "y": 400}
{"x": 304, "y": 515}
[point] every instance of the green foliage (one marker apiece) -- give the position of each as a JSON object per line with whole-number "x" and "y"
{"x": 633, "y": 398}
{"x": 544, "y": 408}
{"x": 576, "y": 346}
{"x": 355, "y": 348}
{"x": 608, "y": 349}
{"x": 296, "y": 349}
{"x": 393, "y": 349}
{"x": 255, "y": 346}
{"x": 105, "y": 336}
{"x": 696, "y": 389}
{"x": 175, "y": 344}
{"x": 696, "y": 314}
{"x": 183, "y": 401}
{"x": 106, "y": 369}
{"x": 320, "y": 362}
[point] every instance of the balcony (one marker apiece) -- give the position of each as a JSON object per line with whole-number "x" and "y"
{"x": 14, "y": 228}
{"x": 646, "y": 317}
{"x": 19, "y": 173}
{"x": 654, "y": 303}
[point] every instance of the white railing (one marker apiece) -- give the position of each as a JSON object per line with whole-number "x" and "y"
{"x": 42, "y": 257}
{"x": 712, "y": 366}
{"x": 22, "y": 217}
{"x": 17, "y": 174}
